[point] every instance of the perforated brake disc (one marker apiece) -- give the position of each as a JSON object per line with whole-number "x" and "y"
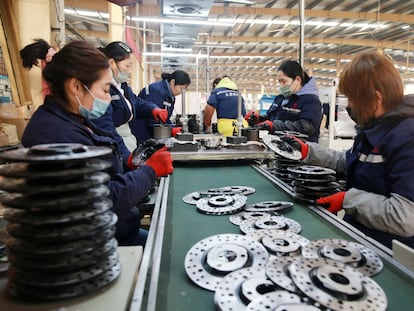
{"x": 267, "y": 206}
{"x": 277, "y": 271}
{"x": 310, "y": 171}
{"x": 193, "y": 197}
{"x": 279, "y": 242}
{"x": 281, "y": 148}
{"x": 272, "y": 222}
{"x": 236, "y": 219}
{"x": 221, "y": 204}
{"x": 353, "y": 254}
{"x": 337, "y": 286}
{"x": 274, "y": 301}
{"x": 209, "y": 260}
{"x": 238, "y": 288}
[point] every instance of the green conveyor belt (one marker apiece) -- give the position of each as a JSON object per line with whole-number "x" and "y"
{"x": 185, "y": 226}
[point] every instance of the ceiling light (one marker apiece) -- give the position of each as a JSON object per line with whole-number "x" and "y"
{"x": 193, "y": 21}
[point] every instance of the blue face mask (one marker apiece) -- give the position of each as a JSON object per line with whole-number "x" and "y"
{"x": 99, "y": 107}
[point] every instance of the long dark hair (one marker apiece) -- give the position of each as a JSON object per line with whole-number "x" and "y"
{"x": 293, "y": 69}
{"x": 31, "y": 53}
{"x": 117, "y": 50}
{"x": 77, "y": 59}
{"x": 180, "y": 77}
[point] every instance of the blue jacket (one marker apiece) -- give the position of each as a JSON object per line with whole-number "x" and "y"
{"x": 158, "y": 93}
{"x": 301, "y": 112}
{"x": 53, "y": 124}
{"x": 225, "y": 99}
{"x": 119, "y": 112}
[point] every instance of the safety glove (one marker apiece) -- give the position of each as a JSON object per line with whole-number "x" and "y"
{"x": 160, "y": 114}
{"x": 265, "y": 125}
{"x": 297, "y": 143}
{"x": 252, "y": 117}
{"x": 175, "y": 131}
{"x": 161, "y": 162}
{"x": 333, "y": 202}
{"x": 143, "y": 152}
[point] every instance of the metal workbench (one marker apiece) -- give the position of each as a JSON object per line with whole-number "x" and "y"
{"x": 177, "y": 226}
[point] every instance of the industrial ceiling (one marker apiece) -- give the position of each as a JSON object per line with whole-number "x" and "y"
{"x": 248, "y": 40}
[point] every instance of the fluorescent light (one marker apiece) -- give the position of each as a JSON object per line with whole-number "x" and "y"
{"x": 174, "y": 54}
{"x": 165, "y": 20}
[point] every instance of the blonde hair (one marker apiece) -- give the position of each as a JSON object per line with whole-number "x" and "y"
{"x": 368, "y": 73}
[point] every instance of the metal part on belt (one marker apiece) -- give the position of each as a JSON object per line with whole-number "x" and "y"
{"x": 279, "y": 242}
{"x": 238, "y": 288}
{"x": 268, "y": 206}
{"x": 221, "y": 204}
{"x": 236, "y": 219}
{"x": 209, "y": 260}
{"x": 281, "y": 147}
{"x": 337, "y": 286}
{"x": 270, "y": 222}
{"x": 277, "y": 271}
{"x": 353, "y": 254}
{"x": 278, "y": 300}
{"x": 193, "y": 197}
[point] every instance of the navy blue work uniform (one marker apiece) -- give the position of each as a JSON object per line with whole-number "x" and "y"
{"x": 53, "y": 124}
{"x": 158, "y": 93}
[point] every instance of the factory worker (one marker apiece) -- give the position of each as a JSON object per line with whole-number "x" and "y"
{"x": 224, "y": 100}
{"x": 79, "y": 78}
{"x": 379, "y": 168}
{"x": 297, "y": 107}
{"x": 125, "y": 105}
{"x": 162, "y": 93}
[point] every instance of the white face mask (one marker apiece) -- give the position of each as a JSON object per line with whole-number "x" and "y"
{"x": 99, "y": 107}
{"x": 122, "y": 76}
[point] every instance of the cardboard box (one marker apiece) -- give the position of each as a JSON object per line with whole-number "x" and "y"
{"x": 8, "y": 134}
{"x": 17, "y": 116}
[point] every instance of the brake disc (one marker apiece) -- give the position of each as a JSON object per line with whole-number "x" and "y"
{"x": 336, "y": 285}
{"x": 209, "y": 260}
{"x": 281, "y": 148}
{"x": 277, "y": 271}
{"x": 274, "y": 300}
{"x": 270, "y": 222}
{"x": 267, "y": 206}
{"x": 279, "y": 242}
{"x": 221, "y": 204}
{"x": 310, "y": 170}
{"x": 238, "y": 288}
{"x": 236, "y": 219}
{"x": 354, "y": 254}
{"x": 192, "y": 197}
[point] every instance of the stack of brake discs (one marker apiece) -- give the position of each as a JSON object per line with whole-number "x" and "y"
{"x": 280, "y": 168}
{"x": 311, "y": 182}
{"x": 60, "y": 221}
{"x": 219, "y": 201}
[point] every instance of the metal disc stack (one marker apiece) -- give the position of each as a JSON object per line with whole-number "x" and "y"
{"x": 280, "y": 168}
{"x": 60, "y": 224}
{"x": 311, "y": 182}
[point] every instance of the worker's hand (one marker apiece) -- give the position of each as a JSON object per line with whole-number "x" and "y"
{"x": 332, "y": 202}
{"x": 265, "y": 125}
{"x": 160, "y": 114}
{"x": 175, "y": 131}
{"x": 297, "y": 143}
{"x": 252, "y": 117}
{"x": 161, "y": 162}
{"x": 143, "y": 152}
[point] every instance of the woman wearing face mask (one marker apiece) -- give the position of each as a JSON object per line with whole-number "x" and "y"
{"x": 379, "y": 168}
{"x": 162, "y": 93}
{"x": 125, "y": 105}
{"x": 297, "y": 108}
{"x": 79, "y": 78}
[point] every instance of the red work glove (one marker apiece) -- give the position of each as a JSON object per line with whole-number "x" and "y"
{"x": 297, "y": 143}
{"x": 161, "y": 162}
{"x": 252, "y": 117}
{"x": 160, "y": 114}
{"x": 265, "y": 125}
{"x": 143, "y": 152}
{"x": 175, "y": 131}
{"x": 333, "y": 202}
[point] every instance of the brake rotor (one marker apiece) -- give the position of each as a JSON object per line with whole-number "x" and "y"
{"x": 294, "y": 133}
{"x": 281, "y": 148}
{"x": 277, "y": 270}
{"x": 192, "y": 198}
{"x": 270, "y": 222}
{"x": 353, "y": 254}
{"x": 238, "y": 288}
{"x": 337, "y": 286}
{"x": 221, "y": 204}
{"x": 273, "y": 300}
{"x": 209, "y": 260}
{"x": 37, "y": 218}
{"x": 236, "y": 219}
{"x": 310, "y": 170}
{"x": 267, "y": 206}
{"x": 279, "y": 242}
